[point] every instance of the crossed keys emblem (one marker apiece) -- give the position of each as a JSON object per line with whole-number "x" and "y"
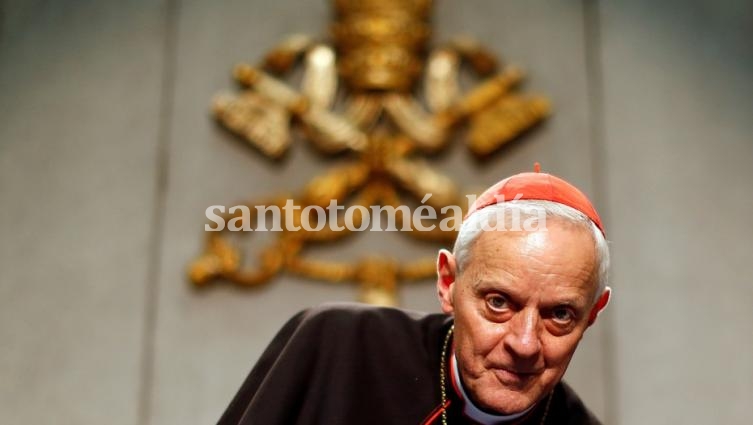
{"x": 358, "y": 97}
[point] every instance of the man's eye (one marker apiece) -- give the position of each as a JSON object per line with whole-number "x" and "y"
{"x": 497, "y": 302}
{"x": 563, "y": 316}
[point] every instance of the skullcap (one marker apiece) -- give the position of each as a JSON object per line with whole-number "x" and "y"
{"x": 537, "y": 186}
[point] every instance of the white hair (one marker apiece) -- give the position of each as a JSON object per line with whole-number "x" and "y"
{"x": 533, "y": 210}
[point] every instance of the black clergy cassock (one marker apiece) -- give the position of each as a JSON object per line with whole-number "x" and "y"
{"x": 356, "y": 364}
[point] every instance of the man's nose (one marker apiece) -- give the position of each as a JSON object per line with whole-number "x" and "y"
{"x": 522, "y": 337}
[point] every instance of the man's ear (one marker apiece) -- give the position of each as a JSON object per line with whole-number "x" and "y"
{"x": 600, "y": 305}
{"x": 446, "y": 273}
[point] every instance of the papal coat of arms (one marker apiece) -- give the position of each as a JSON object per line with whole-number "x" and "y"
{"x": 376, "y": 93}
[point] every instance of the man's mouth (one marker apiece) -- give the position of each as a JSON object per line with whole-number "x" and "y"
{"x": 514, "y": 377}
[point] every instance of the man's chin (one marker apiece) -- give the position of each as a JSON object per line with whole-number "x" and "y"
{"x": 505, "y": 402}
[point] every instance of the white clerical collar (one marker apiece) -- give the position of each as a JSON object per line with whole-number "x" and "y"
{"x": 470, "y": 410}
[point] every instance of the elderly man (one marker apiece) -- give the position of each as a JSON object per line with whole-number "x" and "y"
{"x": 526, "y": 278}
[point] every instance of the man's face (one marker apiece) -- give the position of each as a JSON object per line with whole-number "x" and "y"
{"x": 521, "y": 305}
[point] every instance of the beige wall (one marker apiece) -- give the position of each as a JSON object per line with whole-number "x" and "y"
{"x": 108, "y": 160}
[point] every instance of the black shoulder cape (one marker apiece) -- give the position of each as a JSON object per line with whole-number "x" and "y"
{"x": 355, "y": 364}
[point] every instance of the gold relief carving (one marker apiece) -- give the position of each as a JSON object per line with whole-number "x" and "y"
{"x": 357, "y": 96}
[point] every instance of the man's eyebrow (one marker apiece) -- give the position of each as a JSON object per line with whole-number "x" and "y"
{"x": 567, "y": 302}
{"x": 486, "y": 284}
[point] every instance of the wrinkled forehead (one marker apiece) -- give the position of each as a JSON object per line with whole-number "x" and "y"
{"x": 562, "y": 252}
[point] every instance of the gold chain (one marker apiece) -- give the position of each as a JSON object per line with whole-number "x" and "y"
{"x": 442, "y": 374}
{"x": 443, "y": 380}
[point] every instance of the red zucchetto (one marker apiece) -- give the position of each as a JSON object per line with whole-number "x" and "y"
{"x": 537, "y": 186}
